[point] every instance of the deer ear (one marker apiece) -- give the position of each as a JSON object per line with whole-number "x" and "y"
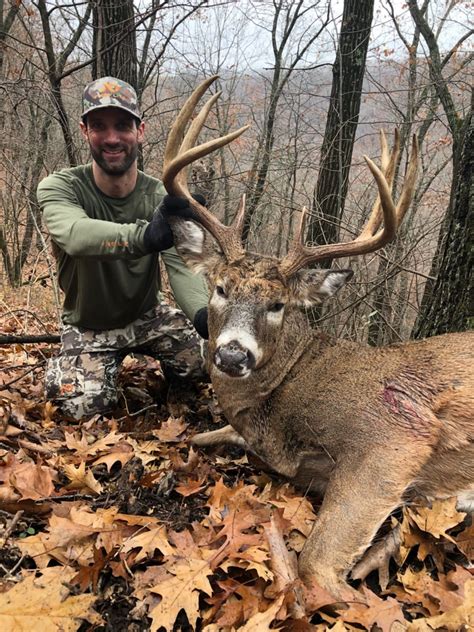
{"x": 311, "y": 287}
{"x": 193, "y": 243}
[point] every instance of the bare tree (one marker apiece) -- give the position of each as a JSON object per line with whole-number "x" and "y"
{"x": 341, "y": 124}
{"x": 285, "y": 20}
{"x": 447, "y": 302}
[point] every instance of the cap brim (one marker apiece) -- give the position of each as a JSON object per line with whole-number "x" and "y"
{"x": 94, "y": 108}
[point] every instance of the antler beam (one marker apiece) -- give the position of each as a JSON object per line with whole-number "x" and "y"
{"x": 372, "y": 237}
{"x": 180, "y": 153}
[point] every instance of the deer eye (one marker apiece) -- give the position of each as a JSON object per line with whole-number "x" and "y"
{"x": 276, "y": 307}
{"x": 220, "y": 291}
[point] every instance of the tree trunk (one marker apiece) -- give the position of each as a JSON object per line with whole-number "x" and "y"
{"x": 115, "y": 43}
{"x": 342, "y": 120}
{"x": 448, "y": 302}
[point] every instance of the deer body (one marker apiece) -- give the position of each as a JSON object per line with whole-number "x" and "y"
{"x": 378, "y": 426}
{"x": 368, "y": 428}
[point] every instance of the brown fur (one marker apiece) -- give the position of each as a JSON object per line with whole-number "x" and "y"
{"x": 370, "y": 427}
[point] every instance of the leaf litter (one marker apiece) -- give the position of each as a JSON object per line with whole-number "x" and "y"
{"x": 119, "y": 524}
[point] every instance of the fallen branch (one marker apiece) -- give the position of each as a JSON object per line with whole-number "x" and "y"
{"x": 14, "y": 340}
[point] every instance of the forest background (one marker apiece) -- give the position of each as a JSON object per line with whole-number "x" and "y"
{"x": 316, "y": 80}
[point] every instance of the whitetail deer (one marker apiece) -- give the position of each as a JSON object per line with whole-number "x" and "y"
{"x": 370, "y": 427}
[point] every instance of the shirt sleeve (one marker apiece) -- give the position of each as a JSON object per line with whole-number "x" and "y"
{"x": 80, "y": 235}
{"x": 189, "y": 289}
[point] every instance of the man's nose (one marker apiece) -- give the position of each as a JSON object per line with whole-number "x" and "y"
{"x": 111, "y": 136}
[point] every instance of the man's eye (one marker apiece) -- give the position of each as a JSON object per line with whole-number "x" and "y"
{"x": 276, "y": 307}
{"x": 220, "y": 291}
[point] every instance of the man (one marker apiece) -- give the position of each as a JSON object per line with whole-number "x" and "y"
{"x": 106, "y": 235}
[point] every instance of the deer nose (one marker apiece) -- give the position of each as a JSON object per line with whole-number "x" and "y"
{"x": 234, "y": 359}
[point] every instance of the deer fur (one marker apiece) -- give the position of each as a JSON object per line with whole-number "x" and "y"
{"x": 368, "y": 427}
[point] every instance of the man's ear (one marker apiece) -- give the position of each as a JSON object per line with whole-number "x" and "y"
{"x": 83, "y": 128}
{"x": 312, "y": 287}
{"x": 140, "y": 132}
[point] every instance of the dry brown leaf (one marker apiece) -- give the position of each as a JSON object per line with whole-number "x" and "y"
{"x": 148, "y": 542}
{"x": 383, "y": 613}
{"x": 435, "y": 596}
{"x": 297, "y": 510}
{"x": 171, "y": 431}
{"x": 81, "y": 479}
{"x": 85, "y": 447}
{"x": 455, "y": 620}
{"x": 235, "y": 528}
{"x": 48, "y": 606}
{"x": 190, "y": 487}
{"x": 262, "y": 620}
{"x": 465, "y": 542}
{"x": 33, "y": 481}
{"x": 438, "y": 519}
{"x": 113, "y": 457}
{"x": 180, "y": 590}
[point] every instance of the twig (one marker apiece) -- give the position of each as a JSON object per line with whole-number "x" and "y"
{"x": 35, "y": 447}
{"x": 11, "y": 527}
{"x": 20, "y": 377}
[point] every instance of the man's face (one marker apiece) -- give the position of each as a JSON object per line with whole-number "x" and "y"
{"x": 113, "y": 136}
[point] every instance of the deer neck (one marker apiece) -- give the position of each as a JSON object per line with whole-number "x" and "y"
{"x": 239, "y": 397}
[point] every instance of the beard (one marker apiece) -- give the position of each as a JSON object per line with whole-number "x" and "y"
{"x": 117, "y": 168}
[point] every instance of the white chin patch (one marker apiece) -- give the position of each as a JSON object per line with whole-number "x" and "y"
{"x": 245, "y": 340}
{"x": 194, "y": 237}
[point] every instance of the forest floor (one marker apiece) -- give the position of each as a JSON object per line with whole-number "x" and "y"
{"x": 119, "y": 524}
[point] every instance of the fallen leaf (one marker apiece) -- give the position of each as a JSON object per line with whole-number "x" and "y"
{"x": 438, "y": 519}
{"x": 148, "y": 542}
{"x": 187, "y": 578}
{"x": 171, "y": 431}
{"x": 381, "y": 612}
{"x": 43, "y": 603}
{"x": 455, "y": 620}
{"x": 33, "y": 481}
{"x": 81, "y": 479}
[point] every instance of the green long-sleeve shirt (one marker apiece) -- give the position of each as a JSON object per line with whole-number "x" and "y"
{"x": 103, "y": 269}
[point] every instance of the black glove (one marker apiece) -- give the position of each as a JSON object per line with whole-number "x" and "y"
{"x": 200, "y": 323}
{"x": 158, "y": 235}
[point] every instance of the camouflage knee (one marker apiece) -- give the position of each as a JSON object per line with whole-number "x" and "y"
{"x": 82, "y": 385}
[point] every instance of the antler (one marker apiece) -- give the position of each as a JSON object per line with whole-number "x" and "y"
{"x": 372, "y": 237}
{"x": 180, "y": 152}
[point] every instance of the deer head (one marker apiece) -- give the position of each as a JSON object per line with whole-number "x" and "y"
{"x": 252, "y": 295}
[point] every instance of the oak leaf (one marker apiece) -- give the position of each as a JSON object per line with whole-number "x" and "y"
{"x": 439, "y": 518}
{"x": 171, "y": 431}
{"x": 81, "y": 479}
{"x": 148, "y": 542}
{"x": 455, "y": 620}
{"x": 43, "y": 603}
{"x": 381, "y": 612}
{"x": 33, "y": 481}
{"x": 187, "y": 578}
{"x": 84, "y": 447}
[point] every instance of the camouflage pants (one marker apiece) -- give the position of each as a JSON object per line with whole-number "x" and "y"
{"x": 81, "y": 379}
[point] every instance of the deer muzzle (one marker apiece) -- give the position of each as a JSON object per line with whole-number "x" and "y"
{"x": 234, "y": 359}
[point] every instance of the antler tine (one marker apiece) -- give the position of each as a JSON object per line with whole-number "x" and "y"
{"x": 388, "y": 162}
{"x": 180, "y": 153}
{"x": 301, "y": 255}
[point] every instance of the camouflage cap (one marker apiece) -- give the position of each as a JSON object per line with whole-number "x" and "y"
{"x": 110, "y": 92}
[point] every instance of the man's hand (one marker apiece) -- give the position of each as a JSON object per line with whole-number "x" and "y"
{"x": 158, "y": 235}
{"x": 200, "y": 323}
